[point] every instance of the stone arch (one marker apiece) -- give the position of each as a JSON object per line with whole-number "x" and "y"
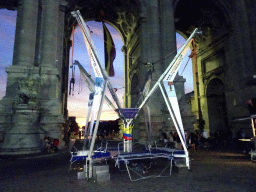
{"x": 212, "y": 80}
{"x": 148, "y": 32}
{"x": 52, "y": 26}
{"x": 122, "y": 15}
{"x": 217, "y": 105}
{"x": 213, "y": 18}
{"x": 210, "y": 16}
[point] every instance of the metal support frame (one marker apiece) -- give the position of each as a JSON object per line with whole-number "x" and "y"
{"x": 99, "y": 73}
{"x": 169, "y": 95}
{"x": 97, "y": 67}
{"x": 252, "y": 117}
{"x": 253, "y": 126}
{"x": 127, "y": 158}
{"x": 89, "y": 159}
{"x": 176, "y": 124}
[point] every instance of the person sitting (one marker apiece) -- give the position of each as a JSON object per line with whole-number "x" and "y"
{"x": 170, "y": 143}
{"x": 55, "y": 144}
{"x": 51, "y": 145}
{"x": 47, "y": 144}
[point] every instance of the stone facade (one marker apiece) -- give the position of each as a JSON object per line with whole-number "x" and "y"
{"x": 223, "y": 60}
{"x": 34, "y": 104}
{"x": 224, "y": 66}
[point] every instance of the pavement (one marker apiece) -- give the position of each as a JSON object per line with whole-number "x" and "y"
{"x": 211, "y": 170}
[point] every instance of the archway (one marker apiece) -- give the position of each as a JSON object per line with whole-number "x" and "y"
{"x": 78, "y": 99}
{"x": 148, "y": 32}
{"x": 210, "y": 50}
{"x": 217, "y": 106}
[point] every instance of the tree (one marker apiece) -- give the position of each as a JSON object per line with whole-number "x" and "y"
{"x": 73, "y": 126}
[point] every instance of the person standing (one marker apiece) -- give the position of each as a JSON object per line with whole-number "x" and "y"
{"x": 194, "y": 140}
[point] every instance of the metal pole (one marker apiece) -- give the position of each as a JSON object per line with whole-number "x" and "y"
{"x": 95, "y": 131}
{"x": 177, "y": 127}
{"x": 253, "y": 127}
{"x": 86, "y": 130}
{"x": 173, "y": 118}
{"x": 170, "y": 67}
{"x": 127, "y": 144}
{"x": 87, "y": 76}
{"x": 101, "y": 72}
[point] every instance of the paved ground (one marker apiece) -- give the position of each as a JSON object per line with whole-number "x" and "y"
{"x": 210, "y": 171}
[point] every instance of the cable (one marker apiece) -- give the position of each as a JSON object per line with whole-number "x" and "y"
{"x": 80, "y": 84}
{"x": 72, "y": 80}
{"x": 185, "y": 66}
{"x": 133, "y": 57}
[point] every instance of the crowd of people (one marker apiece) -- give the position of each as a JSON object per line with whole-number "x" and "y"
{"x": 220, "y": 139}
{"x": 173, "y": 140}
{"x": 194, "y": 140}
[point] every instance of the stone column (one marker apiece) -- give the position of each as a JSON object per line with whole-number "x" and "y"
{"x": 168, "y": 42}
{"x": 157, "y": 40}
{"x": 25, "y": 36}
{"x": 59, "y": 60}
{"x": 154, "y": 55}
{"x": 24, "y": 45}
{"x": 126, "y": 75}
{"x": 50, "y": 76}
{"x": 162, "y": 41}
{"x": 244, "y": 61}
{"x": 19, "y": 110}
{"x": 23, "y": 137}
{"x": 168, "y": 32}
{"x": 153, "y": 33}
{"x": 49, "y": 33}
{"x": 150, "y": 53}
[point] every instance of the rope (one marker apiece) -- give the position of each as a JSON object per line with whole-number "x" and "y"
{"x": 165, "y": 56}
{"x": 132, "y": 57}
{"x": 185, "y": 66}
{"x": 72, "y": 80}
{"x": 80, "y": 84}
{"x": 72, "y": 51}
{"x": 194, "y": 56}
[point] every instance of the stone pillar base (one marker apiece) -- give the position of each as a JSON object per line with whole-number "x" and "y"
{"x": 23, "y": 137}
{"x": 53, "y": 130}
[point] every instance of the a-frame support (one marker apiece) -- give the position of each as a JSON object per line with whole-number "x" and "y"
{"x": 165, "y": 83}
{"x": 102, "y": 79}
